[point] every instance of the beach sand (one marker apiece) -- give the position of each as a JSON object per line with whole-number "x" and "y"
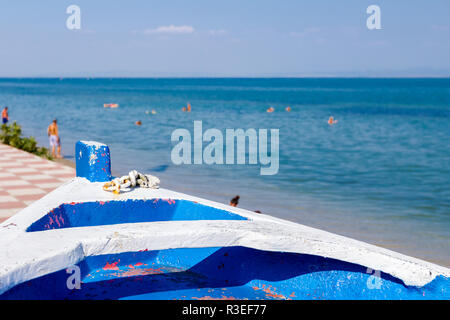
{"x": 65, "y": 162}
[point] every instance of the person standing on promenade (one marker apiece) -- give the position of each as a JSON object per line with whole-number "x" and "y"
{"x": 5, "y": 116}
{"x": 55, "y": 142}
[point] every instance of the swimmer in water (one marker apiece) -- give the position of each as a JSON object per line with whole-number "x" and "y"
{"x": 271, "y": 109}
{"x": 234, "y": 202}
{"x": 183, "y": 109}
{"x": 331, "y": 121}
{"x": 288, "y": 109}
{"x": 188, "y": 107}
{"x": 138, "y": 123}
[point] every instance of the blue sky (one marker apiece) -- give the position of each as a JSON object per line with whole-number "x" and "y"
{"x": 224, "y": 38}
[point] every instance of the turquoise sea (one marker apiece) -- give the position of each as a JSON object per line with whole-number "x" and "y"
{"x": 381, "y": 174}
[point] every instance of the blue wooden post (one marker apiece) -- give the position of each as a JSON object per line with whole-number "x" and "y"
{"x": 93, "y": 161}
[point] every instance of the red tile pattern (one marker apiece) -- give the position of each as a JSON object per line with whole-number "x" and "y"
{"x": 25, "y": 178}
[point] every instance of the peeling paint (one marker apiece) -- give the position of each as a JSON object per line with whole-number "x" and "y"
{"x": 112, "y": 266}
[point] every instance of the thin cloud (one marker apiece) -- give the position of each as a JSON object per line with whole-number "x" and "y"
{"x": 218, "y": 32}
{"x": 171, "y": 29}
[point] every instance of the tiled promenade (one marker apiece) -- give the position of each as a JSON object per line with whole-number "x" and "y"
{"x": 25, "y": 178}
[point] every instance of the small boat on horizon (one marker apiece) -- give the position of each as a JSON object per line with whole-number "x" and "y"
{"x": 81, "y": 242}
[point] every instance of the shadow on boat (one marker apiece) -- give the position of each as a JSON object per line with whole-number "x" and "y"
{"x": 239, "y": 273}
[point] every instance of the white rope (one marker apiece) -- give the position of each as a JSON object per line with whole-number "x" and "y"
{"x": 132, "y": 180}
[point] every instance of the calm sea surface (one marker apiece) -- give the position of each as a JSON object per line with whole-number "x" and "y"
{"x": 381, "y": 174}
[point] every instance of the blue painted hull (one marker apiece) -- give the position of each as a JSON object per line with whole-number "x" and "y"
{"x": 223, "y": 273}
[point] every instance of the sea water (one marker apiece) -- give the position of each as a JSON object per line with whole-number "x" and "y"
{"x": 381, "y": 174}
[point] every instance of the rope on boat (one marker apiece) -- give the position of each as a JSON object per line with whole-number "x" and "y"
{"x": 132, "y": 180}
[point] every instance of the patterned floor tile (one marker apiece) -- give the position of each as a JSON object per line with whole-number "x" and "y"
{"x": 25, "y": 178}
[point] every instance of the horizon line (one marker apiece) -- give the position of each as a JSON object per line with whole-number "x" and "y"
{"x": 225, "y": 77}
